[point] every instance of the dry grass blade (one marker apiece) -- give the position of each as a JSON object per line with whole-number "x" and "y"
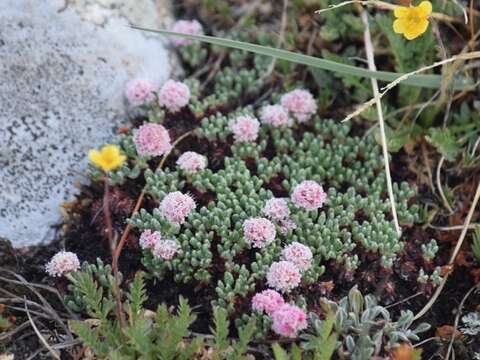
{"x": 390, "y": 86}
{"x": 381, "y": 122}
{"x": 440, "y": 187}
{"x": 385, "y": 6}
{"x": 45, "y": 343}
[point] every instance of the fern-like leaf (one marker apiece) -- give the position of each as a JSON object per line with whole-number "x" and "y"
{"x": 90, "y": 337}
{"x": 137, "y": 296}
{"x": 220, "y": 331}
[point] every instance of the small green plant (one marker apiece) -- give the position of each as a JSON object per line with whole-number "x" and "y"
{"x": 365, "y": 328}
{"x": 476, "y": 244}
{"x": 147, "y": 334}
{"x": 429, "y": 250}
{"x": 4, "y": 323}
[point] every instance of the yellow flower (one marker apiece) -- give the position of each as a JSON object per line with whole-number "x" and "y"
{"x": 108, "y": 158}
{"x": 412, "y": 21}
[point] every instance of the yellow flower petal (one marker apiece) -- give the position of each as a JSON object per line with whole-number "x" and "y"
{"x": 399, "y": 26}
{"x": 108, "y": 158}
{"x": 425, "y": 8}
{"x": 401, "y": 11}
{"x": 417, "y": 30}
{"x": 94, "y": 156}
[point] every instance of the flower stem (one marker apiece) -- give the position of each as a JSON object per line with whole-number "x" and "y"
{"x": 112, "y": 242}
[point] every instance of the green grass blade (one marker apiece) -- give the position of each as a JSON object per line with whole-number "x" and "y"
{"x": 425, "y": 81}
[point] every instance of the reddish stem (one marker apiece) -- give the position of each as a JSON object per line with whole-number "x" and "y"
{"x": 116, "y": 285}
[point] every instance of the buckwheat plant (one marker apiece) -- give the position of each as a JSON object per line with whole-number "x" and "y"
{"x": 275, "y": 194}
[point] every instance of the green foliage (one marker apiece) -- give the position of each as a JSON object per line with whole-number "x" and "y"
{"x": 324, "y": 341}
{"x": 363, "y": 326}
{"x": 4, "y": 323}
{"x": 444, "y": 142}
{"x": 101, "y": 273}
{"x": 281, "y": 354}
{"x": 429, "y": 250}
{"x": 476, "y": 243}
{"x": 160, "y": 335}
{"x": 222, "y": 346}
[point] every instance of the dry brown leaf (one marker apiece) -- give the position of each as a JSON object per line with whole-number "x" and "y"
{"x": 447, "y": 332}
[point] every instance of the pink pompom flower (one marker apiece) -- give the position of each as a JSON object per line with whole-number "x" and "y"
{"x": 275, "y": 115}
{"x": 286, "y": 225}
{"x": 259, "y": 232}
{"x": 300, "y": 103}
{"x": 140, "y": 91}
{"x": 245, "y": 128}
{"x": 61, "y": 263}
{"x": 191, "y": 162}
{"x": 288, "y": 320}
{"x": 283, "y": 276}
{"x": 149, "y": 238}
{"x": 173, "y": 95}
{"x": 277, "y": 209}
{"x": 267, "y": 301}
{"x": 175, "y": 207}
{"x": 298, "y": 254}
{"x": 309, "y": 195}
{"x": 192, "y": 27}
{"x": 166, "y": 249}
{"x": 152, "y": 140}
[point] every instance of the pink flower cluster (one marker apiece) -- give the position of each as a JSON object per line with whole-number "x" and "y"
{"x": 151, "y": 140}
{"x": 175, "y": 207}
{"x": 298, "y": 254}
{"x": 149, "y": 238}
{"x": 259, "y": 232}
{"x": 287, "y": 320}
{"x": 62, "y": 263}
{"x": 300, "y": 103}
{"x": 309, "y": 195}
{"x": 173, "y": 95}
{"x": 140, "y": 91}
{"x": 276, "y": 209}
{"x": 275, "y": 115}
{"x": 191, "y": 162}
{"x": 286, "y": 225}
{"x": 245, "y": 128}
{"x": 166, "y": 249}
{"x": 192, "y": 27}
{"x": 283, "y": 276}
{"x": 267, "y": 301}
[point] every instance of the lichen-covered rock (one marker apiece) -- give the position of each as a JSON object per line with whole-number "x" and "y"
{"x": 63, "y": 79}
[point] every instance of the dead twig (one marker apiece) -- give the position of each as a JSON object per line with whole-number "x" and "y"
{"x": 457, "y": 318}
{"x": 385, "y": 6}
{"x": 440, "y": 187}
{"x": 400, "y": 79}
{"x": 45, "y": 343}
{"x": 371, "y": 66}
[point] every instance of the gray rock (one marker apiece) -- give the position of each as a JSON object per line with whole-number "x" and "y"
{"x": 61, "y": 93}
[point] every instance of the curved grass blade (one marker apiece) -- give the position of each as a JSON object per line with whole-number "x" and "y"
{"x": 425, "y": 81}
